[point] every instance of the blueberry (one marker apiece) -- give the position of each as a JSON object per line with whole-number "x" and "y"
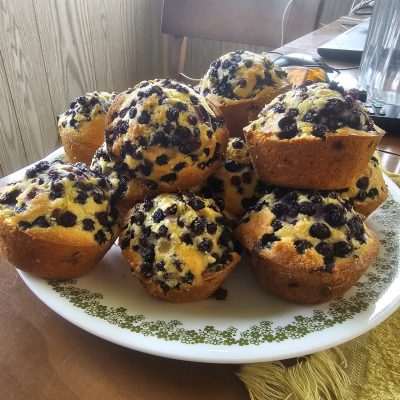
{"x": 192, "y": 119}
{"x": 146, "y": 168}
{"x": 162, "y": 231}
{"x": 267, "y": 239}
{"x": 280, "y": 210}
{"x": 186, "y": 238}
{"x": 171, "y": 210}
{"x": 67, "y": 219}
{"x": 307, "y": 208}
{"x": 162, "y": 159}
{"x": 144, "y": 117}
{"x": 276, "y": 224}
{"x": 172, "y": 114}
{"x": 302, "y": 245}
{"x": 138, "y": 218}
{"x": 237, "y": 144}
{"x": 148, "y": 254}
{"x": 325, "y": 249}
{"x": 362, "y": 183}
{"x": 334, "y": 215}
{"x": 205, "y": 245}
{"x": 102, "y": 217}
{"x": 342, "y": 248}
{"x": 41, "y": 221}
{"x": 196, "y": 203}
{"x": 24, "y": 225}
{"x": 88, "y": 224}
{"x": 319, "y": 131}
{"x": 81, "y": 197}
{"x": 233, "y": 166}
{"x": 373, "y": 193}
{"x": 211, "y": 228}
{"x": 100, "y": 237}
{"x": 356, "y": 227}
{"x": 225, "y": 237}
{"x": 320, "y": 231}
{"x": 197, "y": 226}
{"x": 132, "y": 112}
{"x": 146, "y": 269}
{"x": 361, "y": 195}
{"x": 278, "y": 108}
{"x": 179, "y": 166}
{"x": 10, "y": 198}
{"x": 158, "y": 215}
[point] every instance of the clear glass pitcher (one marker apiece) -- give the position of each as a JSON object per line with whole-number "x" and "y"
{"x": 380, "y": 64}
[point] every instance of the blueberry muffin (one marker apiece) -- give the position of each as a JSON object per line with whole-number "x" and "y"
{"x": 239, "y": 84}
{"x": 57, "y": 222}
{"x": 81, "y": 127}
{"x": 313, "y": 137}
{"x": 179, "y": 246}
{"x": 125, "y": 189}
{"x": 234, "y": 186}
{"x": 166, "y": 134}
{"x": 369, "y": 190}
{"x": 306, "y": 247}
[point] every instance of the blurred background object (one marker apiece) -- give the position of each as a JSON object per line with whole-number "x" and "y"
{"x": 380, "y": 64}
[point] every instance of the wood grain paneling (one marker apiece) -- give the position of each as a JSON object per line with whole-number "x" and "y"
{"x": 114, "y": 43}
{"x": 67, "y": 49}
{"x": 12, "y": 153}
{"x": 147, "y": 20}
{"x": 23, "y": 64}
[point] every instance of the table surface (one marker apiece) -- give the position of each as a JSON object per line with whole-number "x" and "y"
{"x": 42, "y": 356}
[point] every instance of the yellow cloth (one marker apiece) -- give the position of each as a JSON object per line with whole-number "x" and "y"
{"x": 367, "y": 368}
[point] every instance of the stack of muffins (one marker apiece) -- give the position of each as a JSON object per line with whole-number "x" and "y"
{"x": 182, "y": 177}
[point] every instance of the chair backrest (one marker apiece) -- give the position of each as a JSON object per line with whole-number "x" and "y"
{"x": 255, "y": 22}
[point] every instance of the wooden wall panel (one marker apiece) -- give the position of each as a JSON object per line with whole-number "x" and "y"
{"x": 26, "y": 76}
{"x": 149, "y": 42}
{"x": 114, "y": 43}
{"x": 67, "y": 49}
{"x": 12, "y": 152}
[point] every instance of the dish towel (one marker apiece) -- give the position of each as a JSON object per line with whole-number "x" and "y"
{"x": 366, "y": 368}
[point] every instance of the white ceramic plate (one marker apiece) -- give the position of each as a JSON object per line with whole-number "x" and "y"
{"x": 249, "y": 326}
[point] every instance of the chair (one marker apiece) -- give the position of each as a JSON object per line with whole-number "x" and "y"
{"x": 253, "y": 22}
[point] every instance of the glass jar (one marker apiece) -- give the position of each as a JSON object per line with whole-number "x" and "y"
{"x": 380, "y": 63}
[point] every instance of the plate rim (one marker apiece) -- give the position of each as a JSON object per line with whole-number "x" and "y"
{"x": 206, "y": 353}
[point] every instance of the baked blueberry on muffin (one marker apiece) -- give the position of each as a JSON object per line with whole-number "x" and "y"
{"x": 57, "y": 222}
{"x": 125, "y": 189}
{"x": 369, "y": 190}
{"x": 306, "y": 246}
{"x": 234, "y": 186}
{"x": 81, "y": 127}
{"x": 166, "y": 135}
{"x": 313, "y": 137}
{"x": 239, "y": 84}
{"x": 179, "y": 246}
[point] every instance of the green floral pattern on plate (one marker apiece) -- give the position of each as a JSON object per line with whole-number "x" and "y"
{"x": 366, "y": 292}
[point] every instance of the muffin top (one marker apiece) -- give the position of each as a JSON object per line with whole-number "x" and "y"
{"x": 85, "y": 108}
{"x": 241, "y": 75}
{"x": 174, "y": 239}
{"x": 160, "y": 128}
{"x": 60, "y": 199}
{"x": 321, "y": 226}
{"x": 234, "y": 186}
{"x": 314, "y": 111}
{"x": 368, "y": 186}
